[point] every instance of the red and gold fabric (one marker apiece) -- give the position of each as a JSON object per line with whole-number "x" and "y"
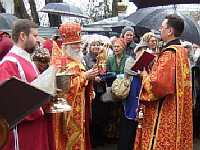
{"x": 166, "y": 94}
{"x": 70, "y": 32}
{"x": 71, "y": 129}
{"x": 58, "y": 57}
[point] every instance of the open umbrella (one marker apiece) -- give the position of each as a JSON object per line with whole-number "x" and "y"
{"x": 111, "y": 23}
{"x": 64, "y": 9}
{"x": 96, "y": 37}
{"x": 152, "y": 18}
{"x": 6, "y": 21}
{"x": 153, "y": 3}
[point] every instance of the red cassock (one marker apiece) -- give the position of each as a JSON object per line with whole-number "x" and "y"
{"x": 33, "y": 130}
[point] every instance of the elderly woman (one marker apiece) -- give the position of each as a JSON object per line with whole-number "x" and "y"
{"x": 41, "y": 58}
{"x": 128, "y": 34}
{"x": 128, "y": 123}
{"x": 116, "y": 62}
{"x": 91, "y": 56}
{"x": 152, "y": 41}
{"x": 94, "y": 59}
{"x": 115, "y": 66}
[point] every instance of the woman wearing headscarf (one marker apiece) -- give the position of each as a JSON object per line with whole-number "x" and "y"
{"x": 115, "y": 66}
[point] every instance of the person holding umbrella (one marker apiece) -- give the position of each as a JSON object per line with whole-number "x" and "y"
{"x": 166, "y": 94}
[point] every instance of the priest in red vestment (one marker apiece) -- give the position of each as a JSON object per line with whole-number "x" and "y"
{"x": 32, "y": 132}
{"x": 72, "y": 128}
{"x": 166, "y": 95}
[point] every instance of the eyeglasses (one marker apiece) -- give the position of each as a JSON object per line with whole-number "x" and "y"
{"x": 164, "y": 27}
{"x": 152, "y": 41}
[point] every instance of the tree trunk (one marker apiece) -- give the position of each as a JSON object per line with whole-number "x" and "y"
{"x": 34, "y": 12}
{"x": 54, "y": 20}
{"x": 2, "y": 10}
{"x": 114, "y": 8}
{"x": 20, "y": 10}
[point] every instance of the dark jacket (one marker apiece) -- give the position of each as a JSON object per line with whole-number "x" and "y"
{"x": 129, "y": 49}
{"x": 113, "y": 69}
{"x": 90, "y": 61}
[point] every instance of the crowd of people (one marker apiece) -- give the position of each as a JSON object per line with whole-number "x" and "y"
{"x": 163, "y": 89}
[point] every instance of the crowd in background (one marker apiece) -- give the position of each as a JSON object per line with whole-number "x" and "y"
{"x": 112, "y": 121}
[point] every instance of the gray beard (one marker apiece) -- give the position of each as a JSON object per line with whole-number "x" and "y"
{"x": 74, "y": 54}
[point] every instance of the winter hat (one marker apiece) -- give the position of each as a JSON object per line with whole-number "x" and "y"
{"x": 41, "y": 54}
{"x": 125, "y": 29}
{"x": 140, "y": 45}
{"x": 70, "y": 33}
{"x": 48, "y": 44}
{"x": 5, "y": 45}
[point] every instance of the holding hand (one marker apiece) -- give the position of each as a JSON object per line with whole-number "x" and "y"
{"x": 92, "y": 73}
{"x": 98, "y": 79}
{"x": 144, "y": 73}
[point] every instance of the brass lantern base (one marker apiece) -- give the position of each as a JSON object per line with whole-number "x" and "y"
{"x": 59, "y": 103}
{"x": 59, "y": 106}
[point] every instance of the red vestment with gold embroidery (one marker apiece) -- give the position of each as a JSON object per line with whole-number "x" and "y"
{"x": 166, "y": 94}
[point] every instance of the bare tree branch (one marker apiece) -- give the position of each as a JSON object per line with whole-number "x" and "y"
{"x": 2, "y": 10}
{"x": 20, "y": 10}
{"x": 34, "y": 12}
{"x": 54, "y": 20}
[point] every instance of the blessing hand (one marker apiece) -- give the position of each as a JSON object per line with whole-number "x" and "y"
{"x": 92, "y": 73}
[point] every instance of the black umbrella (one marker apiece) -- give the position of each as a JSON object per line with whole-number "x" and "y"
{"x": 64, "y": 9}
{"x": 111, "y": 23}
{"x": 6, "y": 21}
{"x": 122, "y": 23}
{"x": 152, "y": 18}
{"x": 153, "y": 3}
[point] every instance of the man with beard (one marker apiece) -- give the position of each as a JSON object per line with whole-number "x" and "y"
{"x": 31, "y": 132}
{"x": 72, "y": 129}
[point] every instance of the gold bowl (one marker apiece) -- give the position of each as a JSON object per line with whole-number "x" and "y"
{"x": 59, "y": 103}
{"x": 63, "y": 81}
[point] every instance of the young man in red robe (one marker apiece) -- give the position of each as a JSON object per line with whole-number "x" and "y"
{"x": 166, "y": 95}
{"x": 32, "y": 132}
